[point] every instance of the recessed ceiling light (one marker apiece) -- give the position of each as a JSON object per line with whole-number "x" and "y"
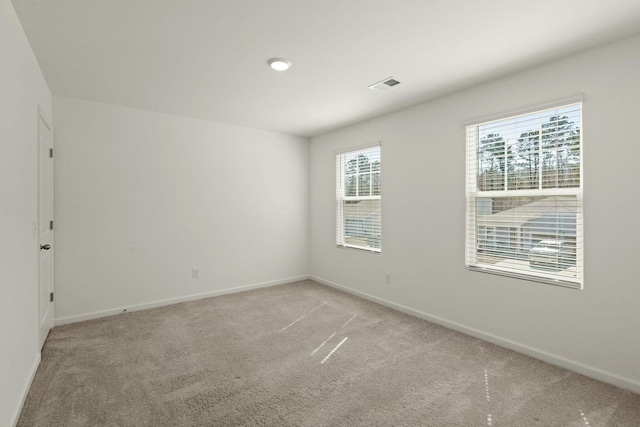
{"x": 279, "y": 64}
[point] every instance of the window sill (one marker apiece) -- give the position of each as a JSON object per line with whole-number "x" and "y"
{"x": 360, "y": 249}
{"x": 530, "y": 278}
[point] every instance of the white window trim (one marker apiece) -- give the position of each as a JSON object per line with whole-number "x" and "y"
{"x": 340, "y": 198}
{"x": 539, "y": 106}
{"x": 472, "y": 193}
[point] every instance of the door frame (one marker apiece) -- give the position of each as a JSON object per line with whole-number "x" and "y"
{"x": 43, "y": 117}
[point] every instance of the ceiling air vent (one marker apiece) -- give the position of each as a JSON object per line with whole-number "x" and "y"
{"x": 384, "y": 84}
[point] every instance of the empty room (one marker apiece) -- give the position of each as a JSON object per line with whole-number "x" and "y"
{"x": 319, "y": 213}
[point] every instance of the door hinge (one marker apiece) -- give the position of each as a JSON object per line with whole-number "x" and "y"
{"x": 51, "y": 153}
{"x": 51, "y": 297}
{"x": 51, "y": 225}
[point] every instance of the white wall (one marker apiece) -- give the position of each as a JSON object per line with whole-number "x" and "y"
{"x": 142, "y": 198}
{"x": 22, "y": 89}
{"x": 594, "y": 331}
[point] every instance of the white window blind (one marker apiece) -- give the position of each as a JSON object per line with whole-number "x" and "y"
{"x": 524, "y": 196}
{"x": 358, "y": 199}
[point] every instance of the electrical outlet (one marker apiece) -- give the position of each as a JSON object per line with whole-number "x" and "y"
{"x": 387, "y": 278}
{"x": 195, "y": 273}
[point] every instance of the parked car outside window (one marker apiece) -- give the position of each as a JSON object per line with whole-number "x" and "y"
{"x": 556, "y": 253}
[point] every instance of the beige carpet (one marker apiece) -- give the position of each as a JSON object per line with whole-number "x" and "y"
{"x": 301, "y": 354}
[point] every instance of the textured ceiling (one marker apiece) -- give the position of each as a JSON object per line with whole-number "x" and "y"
{"x": 207, "y": 59}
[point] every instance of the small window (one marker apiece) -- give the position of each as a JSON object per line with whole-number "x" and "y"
{"x": 358, "y": 199}
{"x": 524, "y": 196}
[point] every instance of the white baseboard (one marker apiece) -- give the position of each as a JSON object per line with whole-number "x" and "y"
{"x": 589, "y": 371}
{"x": 25, "y": 391}
{"x": 161, "y": 303}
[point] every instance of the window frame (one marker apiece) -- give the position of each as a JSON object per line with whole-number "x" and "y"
{"x": 341, "y": 197}
{"x": 473, "y": 193}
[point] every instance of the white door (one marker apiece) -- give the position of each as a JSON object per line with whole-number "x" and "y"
{"x": 45, "y": 226}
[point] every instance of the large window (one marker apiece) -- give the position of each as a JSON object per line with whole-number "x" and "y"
{"x": 358, "y": 199}
{"x": 524, "y": 196}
